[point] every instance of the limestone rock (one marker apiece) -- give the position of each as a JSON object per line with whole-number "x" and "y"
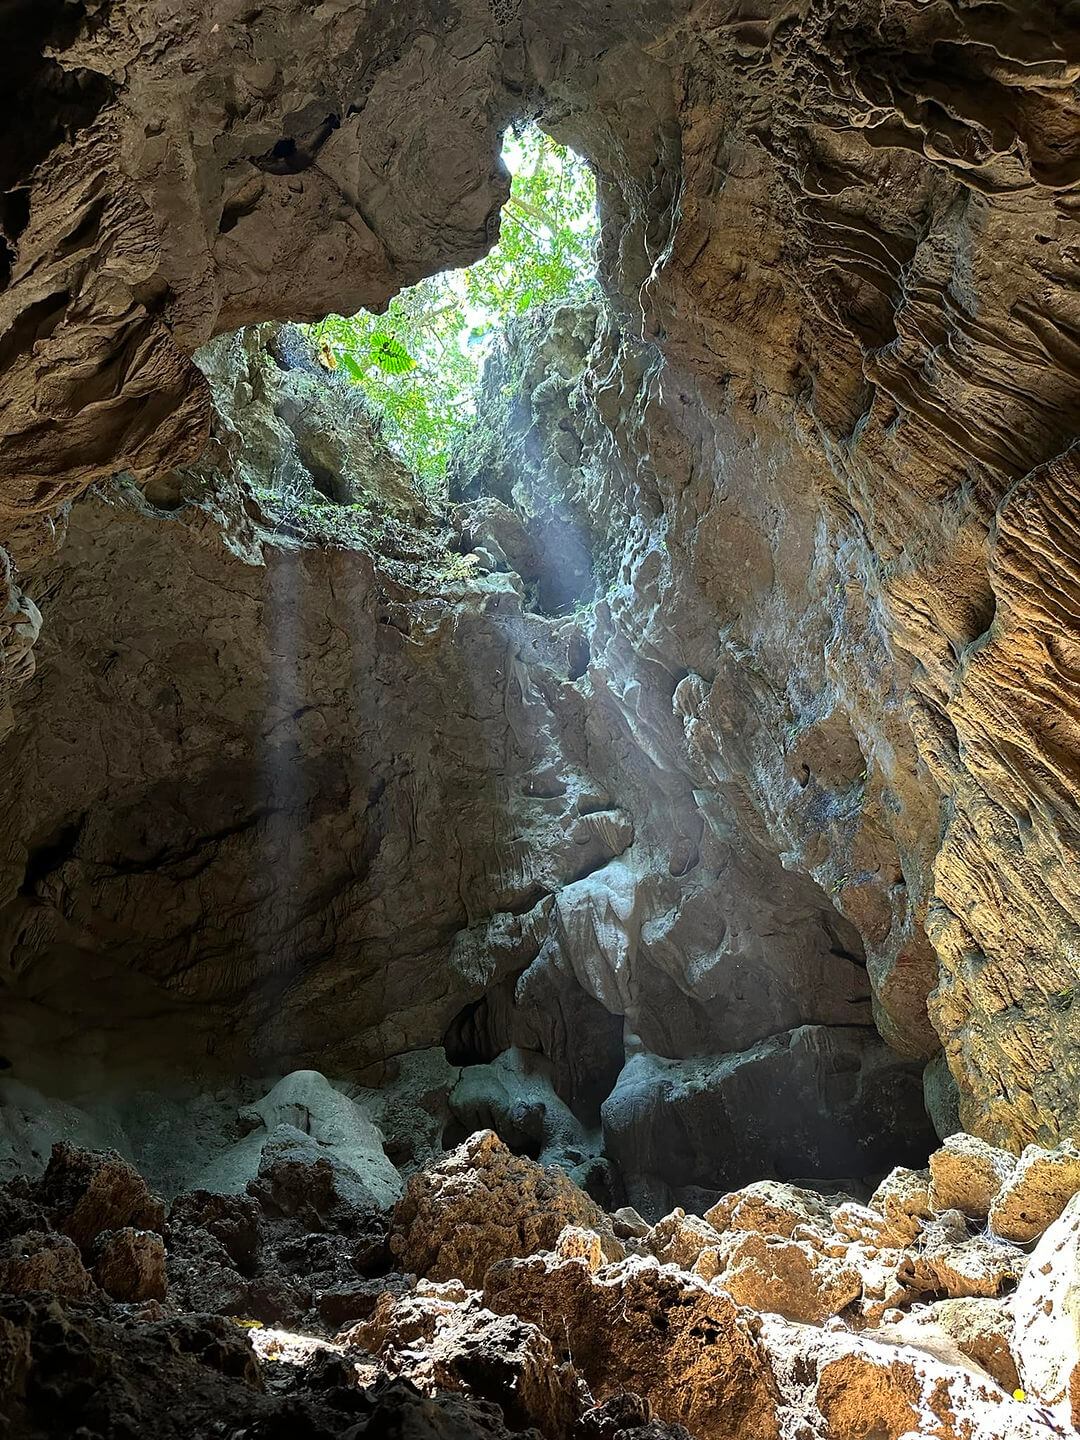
{"x": 628, "y": 1224}
{"x": 903, "y": 1197}
{"x": 232, "y": 1220}
{"x": 967, "y": 1174}
{"x": 297, "y": 1177}
{"x": 684, "y": 1120}
{"x": 840, "y": 1386}
{"x": 577, "y": 1244}
{"x": 20, "y": 626}
{"x": 1037, "y": 1191}
{"x": 627, "y": 1417}
{"x": 689, "y": 1349}
{"x": 129, "y": 1264}
{"x": 771, "y": 1208}
{"x": 679, "y": 1239}
{"x": 979, "y": 1330}
{"x": 443, "y": 1345}
{"x": 949, "y": 1261}
{"x": 43, "y": 1261}
{"x": 86, "y": 1192}
{"x": 860, "y": 1222}
{"x": 482, "y": 1204}
{"x": 306, "y": 1101}
{"x": 1046, "y": 1310}
{"x": 788, "y": 1277}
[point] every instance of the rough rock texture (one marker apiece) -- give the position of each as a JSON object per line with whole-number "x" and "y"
{"x": 86, "y": 1193}
{"x": 818, "y": 468}
{"x": 1047, "y": 1318}
{"x": 455, "y": 1345}
{"x": 291, "y": 860}
{"x": 691, "y": 1351}
{"x": 44, "y": 1261}
{"x": 551, "y": 1347}
{"x": 130, "y": 1264}
{"x": 966, "y": 1174}
{"x": 1036, "y": 1192}
{"x": 481, "y": 1204}
{"x": 788, "y": 1277}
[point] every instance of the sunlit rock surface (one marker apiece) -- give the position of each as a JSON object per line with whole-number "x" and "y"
{"x": 272, "y": 1315}
{"x": 680, "y": 805}
{"x": 836, "y": 477}
{"x": 330, "y": 797}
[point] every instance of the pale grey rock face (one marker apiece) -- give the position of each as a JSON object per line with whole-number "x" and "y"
{"x": 403, "y": 817}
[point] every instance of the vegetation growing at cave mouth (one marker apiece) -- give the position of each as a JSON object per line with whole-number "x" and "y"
{"x": 419, "y": 364}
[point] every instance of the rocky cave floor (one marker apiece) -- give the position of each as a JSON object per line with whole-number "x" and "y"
{"x": 493, "y": 1296}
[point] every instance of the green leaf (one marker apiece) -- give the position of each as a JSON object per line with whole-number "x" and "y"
{"x": 419, "y": 364}
{"x": 390, "y": 355}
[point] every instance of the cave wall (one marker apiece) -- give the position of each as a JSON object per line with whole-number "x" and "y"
{"x": 840, "y": 239}
{"x": 310, "y": 805}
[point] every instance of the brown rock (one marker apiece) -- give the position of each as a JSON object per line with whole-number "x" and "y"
{"x": 482, "y": 1204}
{"x": 628, "y": 1224}
{"x": 627, "y": 1417}
{"x": 347, "y": 1304}
{"x": 833, "y": 1385}
{"x": 441, "y": 1344}
{"x": 129, "y": 1264}
{"x": 88, "y": 1191}
{"x": 788, "y": 1277}
{"x": 860, "y": 1222}
{"x": 577, "y": 1244}
{"x": 978, "y": 1330}
{"x": 15, "y": 1359}
{"x": 679, "y": 1239}
{"x": 950, "y": 1261}
{"x": 1037, "y": 1191}
{"x": 771, "y": 1208}
{"x": 688, "y": 1349}
{"x": 233, "y": 1221}
{"x": 48, "y": 1262}
{"x": 967, "y": 1174}
{"x": 903, "y": 1197}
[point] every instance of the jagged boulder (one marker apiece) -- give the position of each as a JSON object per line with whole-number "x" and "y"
{"x": 643, "y": 1327}
{"x": 770, "y": 1207}
{"x": 967, "y": 1174}
{"x": 129, "y": 1264}
{"x": 950, "y": 1261}
{"x": 481, "y": 1204}
{"x": 1046, "y": 1310}
{"x": 443, "y": 1344}
{"x": 681, "y": 1239}
{"x": 979, "y": 1330}
{"x": 85, "y": 1192}
{"x": 832, "y": 1385}
{"x": 1036, "y": 1192}
{"x": 297, "y": 1178}
{"x": 903, "y": 1198}
{"x": 788, "y": 1277}
{"x": 232, "y": 1220}
{"x": 45, "y": 1261}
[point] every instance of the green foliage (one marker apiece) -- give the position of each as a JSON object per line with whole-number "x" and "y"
{"x": 419, "y": 364}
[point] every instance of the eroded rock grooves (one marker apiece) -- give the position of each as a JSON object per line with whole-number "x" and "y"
{"x": 691, "y": 799}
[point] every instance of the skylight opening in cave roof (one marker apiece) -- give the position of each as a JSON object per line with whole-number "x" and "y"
{"x": 419, "y": 364}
